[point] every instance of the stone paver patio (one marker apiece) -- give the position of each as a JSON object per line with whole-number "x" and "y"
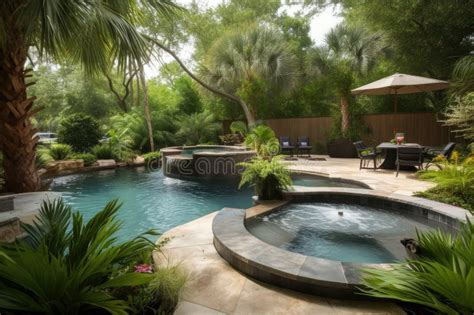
{"x": 214, "y": 287}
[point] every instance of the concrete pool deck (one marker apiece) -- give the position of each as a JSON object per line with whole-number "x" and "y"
{"x": 214, "y": 287}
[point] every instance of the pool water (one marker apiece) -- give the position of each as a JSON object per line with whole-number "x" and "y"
{"x": 320, "y": 181}
{"x": 360, "y": 235}
{"x": 193, "y": 150}
{"x": 150, "y": 200}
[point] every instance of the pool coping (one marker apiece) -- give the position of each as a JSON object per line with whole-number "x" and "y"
{"x": 308, "y": 274}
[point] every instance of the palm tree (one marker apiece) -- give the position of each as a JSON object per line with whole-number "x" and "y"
{"x": 197, "y": 128}
{"x": 348, "y": 54}
{"x": 95, "y": 34}
{"x": 240, "y": 60}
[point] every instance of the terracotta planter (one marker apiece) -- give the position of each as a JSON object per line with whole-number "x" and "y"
{"x": 341, "y": 148}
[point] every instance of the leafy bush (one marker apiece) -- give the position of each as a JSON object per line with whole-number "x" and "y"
{"x": 162, "y": 293}
{"x": 88, "y": 158}
{"x": 239, "y": 127}
{"x": 269, "y": 177}
{"x": 80, "y": 131}
{"x": 103, "y": 151}
{"x": 455, "y": 182}
{"x": 262, "y": 139}
{"x": 152, "y": 156}
{"x": 71, "y": 267}
{"x": 42, "y": 157}
{"x": 60, "y": 151}
{"x": 442, "y": 278}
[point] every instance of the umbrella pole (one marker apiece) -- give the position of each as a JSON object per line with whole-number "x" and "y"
{"x": 395, "y": 102}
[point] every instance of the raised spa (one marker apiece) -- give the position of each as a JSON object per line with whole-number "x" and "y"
{"x": 318, "y": 240}
{"x": 339, "y": 231}
{"x": 204, "y": 161}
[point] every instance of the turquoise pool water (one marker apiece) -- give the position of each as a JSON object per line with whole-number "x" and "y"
{"x": 150, "y": 200}
{"x": 343, "y": 232}
{"x": 190, "y": 151}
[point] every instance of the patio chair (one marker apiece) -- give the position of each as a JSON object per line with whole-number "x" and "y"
{"x": 409, "y": 156}
{"x": 366, "y": 154}
{"x": 285, "y": 145}
{"x": 432, "y": 153}
{"x": 303, "y": 146}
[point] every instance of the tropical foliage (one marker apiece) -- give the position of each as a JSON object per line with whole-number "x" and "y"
{"x": 68, "y": 266}
{"x": 269, "y": 177}
{"x": 262, "y": 140}
{"x": 349, "y": 54}
{"x": 251, "y": 63}
{"x": 79, "y": 131}
{"x": 60, "y": 151}
{"x": 88, "y": 158}
{"x": 441, "y": 279}
{"x": 197, "y": 128}
{"x": 96, "y": 35}
{"x": 454, "y": 182}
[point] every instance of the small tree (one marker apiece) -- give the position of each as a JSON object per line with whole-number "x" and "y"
{"x": 80, "y": 131}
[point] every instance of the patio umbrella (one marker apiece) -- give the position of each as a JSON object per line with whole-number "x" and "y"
{"x": 400, "y": 83}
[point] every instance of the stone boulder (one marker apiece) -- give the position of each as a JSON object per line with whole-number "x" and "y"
{"x": 106, "y": 163}
{"x": 58, "y": 167}
{"x": 10, "y": 230}
{"x": 137, "y": 161}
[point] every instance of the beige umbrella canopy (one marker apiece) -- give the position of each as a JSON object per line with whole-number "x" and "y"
{"x": 400, "y": 83}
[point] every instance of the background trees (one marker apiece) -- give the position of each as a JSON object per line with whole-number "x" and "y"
{"x": 255, "y": 64}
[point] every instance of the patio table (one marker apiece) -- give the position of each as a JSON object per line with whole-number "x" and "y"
{"x": 390, "y": 152}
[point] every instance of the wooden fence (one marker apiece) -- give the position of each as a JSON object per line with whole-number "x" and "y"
{"x": 419, "y": 128}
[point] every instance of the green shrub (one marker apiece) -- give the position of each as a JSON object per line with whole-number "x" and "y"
{"x": 80, "y": 131}
{"x": 198, "y": 128}
{"x": 269, "y": 177}
{"x": 68, "y": 266}
{"x": 42, "y": 157}
{"x": 262, "y": 139}
{"x": 152, "y": 156}
{"x": 88, "y": 158}
{"x": 60, "y": 151}
{"x": 103, "y": 151}
{"x": 442, "y": 278}
{"x": 239, "y": 127}
{"x": 454, "y": 182}
{"x": 162, "y": 293}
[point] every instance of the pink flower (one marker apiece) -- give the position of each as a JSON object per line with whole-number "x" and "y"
{"x": 144, "y": 268}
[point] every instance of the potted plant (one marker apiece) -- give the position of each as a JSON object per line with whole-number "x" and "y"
{"x": 269, "y": 177}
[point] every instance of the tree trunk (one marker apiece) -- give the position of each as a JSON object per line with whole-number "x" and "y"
{"x": 344, "y": 115}
{"x": 248, "y": 115}
{"x": 17, "y": 141}
{"x": 147, "y": 109}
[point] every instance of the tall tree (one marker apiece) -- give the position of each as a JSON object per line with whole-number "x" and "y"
{"x": 348, "y": 54}
{"x": 251, "y": 63}
{"x": 93, "y": 33}
{"x": 427, "y": 36}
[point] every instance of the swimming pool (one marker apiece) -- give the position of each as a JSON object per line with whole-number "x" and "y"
{"x": 152, "y": 200}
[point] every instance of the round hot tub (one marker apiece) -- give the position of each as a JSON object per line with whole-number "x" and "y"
{"x": 318, "y": 241}
{"x": 204, "y": 161}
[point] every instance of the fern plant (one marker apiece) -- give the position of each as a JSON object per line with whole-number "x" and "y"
{"x": 442, "y": 279}
{"x": 71, "y": 267}
{"x": 269, "y": 177}
{"x": 60, "y": 151}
